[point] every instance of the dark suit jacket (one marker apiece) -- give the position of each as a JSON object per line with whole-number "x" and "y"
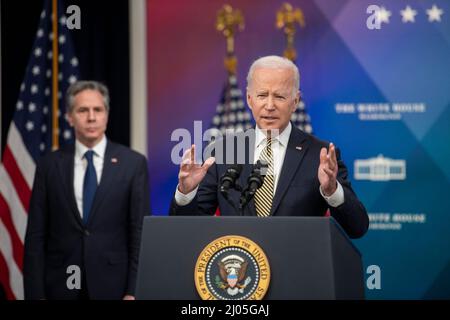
{"x": 106, "y": 248}
{"x": 297, "y": 192}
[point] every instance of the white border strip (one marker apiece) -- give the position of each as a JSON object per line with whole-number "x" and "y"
{"x": 138, "y": 74}
{"x": 1, "y": 114}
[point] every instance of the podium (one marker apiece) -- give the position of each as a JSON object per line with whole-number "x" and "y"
{"x": 309, "y": 257}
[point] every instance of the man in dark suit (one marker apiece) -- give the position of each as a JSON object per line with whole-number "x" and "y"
{"x": 305, "y": 176}
{"x": 86, "y": 210}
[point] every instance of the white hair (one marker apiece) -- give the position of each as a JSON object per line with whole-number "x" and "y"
{"x": 274, "y": 62}
{"x": 78, "y": 86}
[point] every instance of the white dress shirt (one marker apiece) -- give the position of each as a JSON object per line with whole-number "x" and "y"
{"x": 80, "y": 165}
{"x": 279, "y": 147}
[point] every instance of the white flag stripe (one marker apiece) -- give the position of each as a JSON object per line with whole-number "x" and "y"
{"x": 18, "y": 213}
{"x": 21, "y": 155}
{"x": 15, "y": 275}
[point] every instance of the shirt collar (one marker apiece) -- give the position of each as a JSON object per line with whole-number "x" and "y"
{"x": 99, "y": 149}
{"x": 283, "y": 137}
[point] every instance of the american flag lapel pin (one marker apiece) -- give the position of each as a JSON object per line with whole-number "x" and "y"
{"x": 114, "y": 160}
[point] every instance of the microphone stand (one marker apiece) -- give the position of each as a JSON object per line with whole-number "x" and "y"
{"x": 254, "y": 182}
{"x": 237, "y": 187}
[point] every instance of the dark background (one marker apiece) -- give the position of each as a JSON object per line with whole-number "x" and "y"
{"x": 102, "y": 47}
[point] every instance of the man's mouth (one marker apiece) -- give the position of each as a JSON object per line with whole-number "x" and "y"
{"x": 269, "y": 118}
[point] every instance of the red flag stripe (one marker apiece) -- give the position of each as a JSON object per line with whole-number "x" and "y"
{"x": 5, "y": 217}
{"x": 21, "y": 186}
{"x": 4, "y": 278}
{"x": 15, "y": 274}
{"x": 18, "y": 214}
{"x": 20, "y": 153}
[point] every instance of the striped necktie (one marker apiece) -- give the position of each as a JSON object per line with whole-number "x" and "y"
{"x": 264, "y": 195}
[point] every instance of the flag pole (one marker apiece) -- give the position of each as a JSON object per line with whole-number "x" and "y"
{"x": 228, "y": 21}
{"x": 55, "y": 89}
{"x": 287, "y": 18}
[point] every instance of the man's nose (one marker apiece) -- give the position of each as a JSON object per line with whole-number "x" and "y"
{"x": 91, "y": 115}
{"x": 270, "y": 105}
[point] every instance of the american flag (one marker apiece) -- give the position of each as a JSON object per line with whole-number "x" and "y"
{"x": 231, "y": 112}
{"x": 29, "y": 137}
{"x": 301, "y": 119}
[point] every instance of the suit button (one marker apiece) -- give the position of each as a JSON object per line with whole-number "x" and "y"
{"x": 86, "y": 232}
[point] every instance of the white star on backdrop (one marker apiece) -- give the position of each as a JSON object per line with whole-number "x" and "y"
{"x": 72, "y": 79}
{"x": 383, "y": 15}
{"x": 67, "y": 134}
{"x": 36, "y": 70}
{"x": 29, "y": 126}
{"x": 434, "y": 14}
{"x": 37, "y": 52}
{"x": 34, "y": 89}
{"x": 32, "y": 107}
{"x": 408, "y": 14}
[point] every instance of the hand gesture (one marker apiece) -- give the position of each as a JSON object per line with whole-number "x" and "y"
{"x": 191, "y": 173}
{"x": 328, "y": 169}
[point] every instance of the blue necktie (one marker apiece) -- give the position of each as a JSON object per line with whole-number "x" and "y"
{"x": 89, "y": 185}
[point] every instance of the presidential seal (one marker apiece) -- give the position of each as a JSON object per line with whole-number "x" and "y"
{"x": 232, "y": 268}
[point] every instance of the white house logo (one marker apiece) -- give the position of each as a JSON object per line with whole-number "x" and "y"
{"x": 380, "y": 169}
{"x": 232, "y": 268}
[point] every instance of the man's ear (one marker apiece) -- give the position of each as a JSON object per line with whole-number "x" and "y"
{"x": 249, "y": 100}
{"x": 69, "y": 118}
{"x": 296, "y": 101}
{"x": 297, "y": 97}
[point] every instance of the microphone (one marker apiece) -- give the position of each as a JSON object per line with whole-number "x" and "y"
{"x": 228, "y": 180}
{"x": 255, "y": 180}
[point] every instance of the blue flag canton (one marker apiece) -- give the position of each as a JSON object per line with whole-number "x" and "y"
{"x": 301, "y": 119}
{"x": 231, "y": 112}
{"x": 33, "y": 116}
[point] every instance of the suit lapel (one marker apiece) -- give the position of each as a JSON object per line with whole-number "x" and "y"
{"x": 66, "y": 170}
{"x": 110, "y": 167}
{"x": 296, "y": 150}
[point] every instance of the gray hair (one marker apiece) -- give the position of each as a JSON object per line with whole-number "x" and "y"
{"x": 274, "y": 62}
{"x": 79, "y": 86}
